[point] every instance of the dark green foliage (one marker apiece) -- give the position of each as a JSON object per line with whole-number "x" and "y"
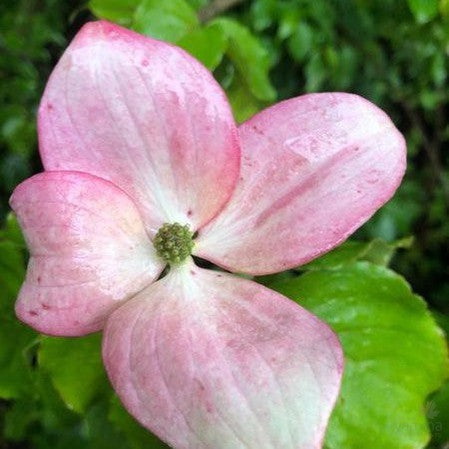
{"x": 31, "y": 38}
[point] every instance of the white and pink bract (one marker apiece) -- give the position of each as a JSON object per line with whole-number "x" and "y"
{"x": 135, "y": 133}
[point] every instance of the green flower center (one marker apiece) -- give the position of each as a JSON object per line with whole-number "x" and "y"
{"x": 173, "y": 242}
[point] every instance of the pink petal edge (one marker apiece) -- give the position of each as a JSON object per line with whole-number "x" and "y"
{"x": 146, "y": 116}
{"x": 88, "y": 251}
{"x": 314, "y": 169}
{"x": 207, "y": 360}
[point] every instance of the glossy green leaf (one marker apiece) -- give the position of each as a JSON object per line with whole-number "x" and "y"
{"x": 250, "y": 58}
{"x": 444, "y": 7}
{"x": 207, "y": 44}
{"x": 75, "y": 368}
{"x": 118, "y": 11}
{"x": 166, "y": 20}
{"x": 244, "y": 104}
{"x": 381, "y": 252}
{"x": 423, "y": 10}
{"x": 377, "y": 251}
{"x": 347, "y": 253}
{"x": 395, "y": 354}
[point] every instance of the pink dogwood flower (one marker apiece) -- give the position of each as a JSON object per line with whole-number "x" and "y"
{"x": 145, "y": 167}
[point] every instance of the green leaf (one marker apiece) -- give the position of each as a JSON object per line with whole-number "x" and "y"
{"x": 347, "y": 253}
{"x": 12, "y": 272}
{"x": 119, "y": 11}
{"x": 166, "y": 20}
{"x": 381, "y": 252}
{"x": 444, "y": 7}
{"x": 41, "y": 420}
{"x": 288, "y": 22}
{"x": 263, "y": 14}
{"x": 443, "y": 322}
{"x": 249, "y": 57}
{"x": 206, "y": 44}
{"x": 15, "y": 338}
{"x": 244, "y": 104}
{"x": 438, "y": 415}
{"x": 197, "y": 4}
{"x": 75, "y": 368}
{"x": 12, "y": 231}
{"x": 395, "y": 354}
{"x": 377, "y": 251}
{"x": 301, "y": 41}
{"x": 137, "y": 436}
{"x": 15, "y": 360}
{"x": 60, "y": 427}
{"x": 19, "y": 417}
{"x": 101, "y": 432}
{"x": 423, "y": 10}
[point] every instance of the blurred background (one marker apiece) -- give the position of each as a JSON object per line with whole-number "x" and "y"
{"x": 393, "y": 52}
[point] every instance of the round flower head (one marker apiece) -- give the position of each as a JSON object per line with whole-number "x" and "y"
{"x": 145, "y": 167}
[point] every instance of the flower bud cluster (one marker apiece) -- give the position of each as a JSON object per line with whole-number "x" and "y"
{"x": 173, "y": 242}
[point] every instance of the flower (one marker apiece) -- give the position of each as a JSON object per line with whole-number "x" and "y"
{"x": 145, "y": 166}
